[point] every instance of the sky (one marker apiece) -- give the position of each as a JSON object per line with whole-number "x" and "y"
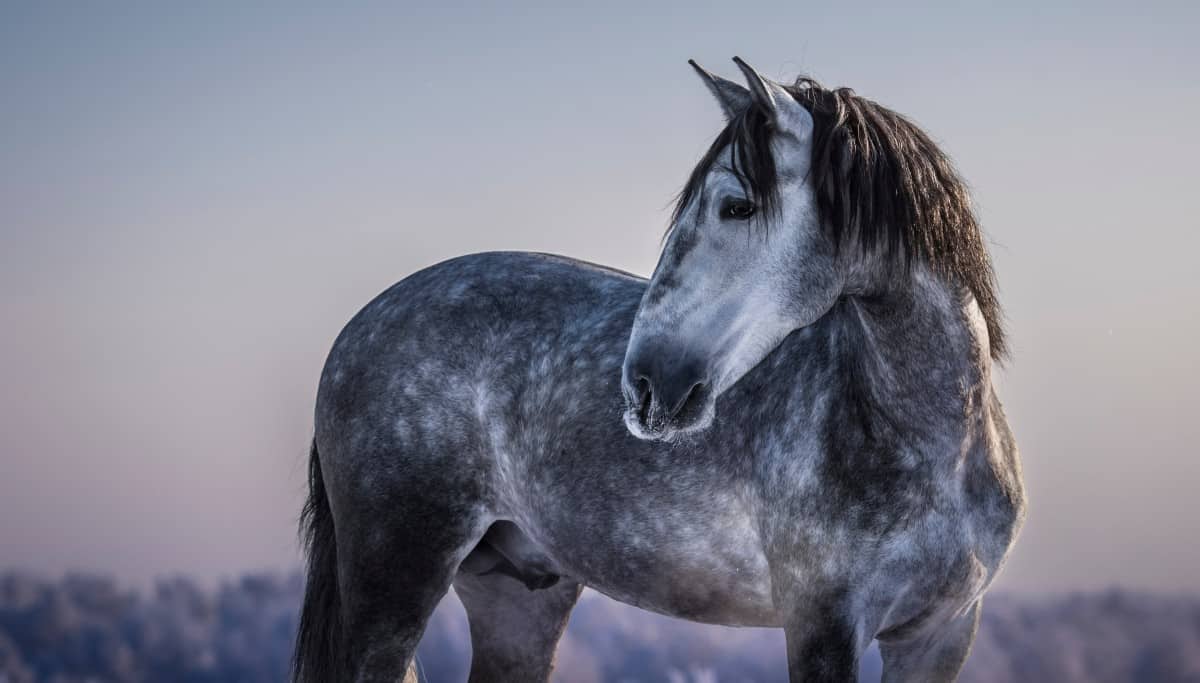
{"x": 195, "y": 198}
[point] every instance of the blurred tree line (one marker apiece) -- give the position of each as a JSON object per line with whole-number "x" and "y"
{"x": 83, "y": 628}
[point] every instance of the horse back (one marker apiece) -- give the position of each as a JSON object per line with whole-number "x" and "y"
{"x": 462, "y": 355}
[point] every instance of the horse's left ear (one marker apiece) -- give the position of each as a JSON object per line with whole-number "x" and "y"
{"x": 790, "y": 116}
{"x": 734, "y": 99}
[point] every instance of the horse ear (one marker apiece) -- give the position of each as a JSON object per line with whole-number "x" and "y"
{"x": 789, "y": 115}
{"x": 734, "y": 98}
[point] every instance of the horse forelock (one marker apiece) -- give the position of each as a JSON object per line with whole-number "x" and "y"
{"x": 882, "y": 186}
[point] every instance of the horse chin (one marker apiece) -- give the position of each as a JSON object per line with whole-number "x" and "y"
{"x": 671, "y": 430}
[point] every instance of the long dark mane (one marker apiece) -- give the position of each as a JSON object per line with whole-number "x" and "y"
{"x": 881, "y": 184}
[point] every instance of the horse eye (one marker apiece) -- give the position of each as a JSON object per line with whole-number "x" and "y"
{"x": 737, "y": 209}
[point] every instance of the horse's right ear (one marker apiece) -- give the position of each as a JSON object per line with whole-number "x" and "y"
{"x": 733, "y": 97}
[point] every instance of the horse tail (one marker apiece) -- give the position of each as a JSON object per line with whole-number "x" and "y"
{"x": 318, "y": 657}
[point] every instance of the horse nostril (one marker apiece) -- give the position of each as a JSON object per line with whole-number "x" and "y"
{"x": 692, "y": 403}
{"x": 644, "y": 398}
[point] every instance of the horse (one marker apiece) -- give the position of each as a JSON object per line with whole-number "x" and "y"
{"x": 791, "y": 424}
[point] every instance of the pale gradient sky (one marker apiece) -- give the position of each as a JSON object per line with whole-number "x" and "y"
{"x": 194, "y": 199}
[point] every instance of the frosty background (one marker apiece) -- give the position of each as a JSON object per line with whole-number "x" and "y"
{"x": 88, "y": 629}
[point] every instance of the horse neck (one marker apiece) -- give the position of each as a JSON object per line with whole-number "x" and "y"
{"x": 918, "y": 350}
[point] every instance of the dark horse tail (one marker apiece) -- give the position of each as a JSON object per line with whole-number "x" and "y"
{"x": 318, "y": 655}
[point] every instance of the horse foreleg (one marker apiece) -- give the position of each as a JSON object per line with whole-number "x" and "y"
{"x": 822, "y": 643}
{"x": 933, "y": 657}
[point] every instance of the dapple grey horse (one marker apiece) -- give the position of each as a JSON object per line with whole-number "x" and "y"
{"x": 792, "y": 424}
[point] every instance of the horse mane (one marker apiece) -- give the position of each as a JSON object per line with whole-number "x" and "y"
{"x": 881, "y": 184}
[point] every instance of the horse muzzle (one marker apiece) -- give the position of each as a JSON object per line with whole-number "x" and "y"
{"x": 666, "y": 393}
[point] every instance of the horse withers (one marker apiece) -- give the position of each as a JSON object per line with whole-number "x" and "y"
{"x": 792, "y": 424}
